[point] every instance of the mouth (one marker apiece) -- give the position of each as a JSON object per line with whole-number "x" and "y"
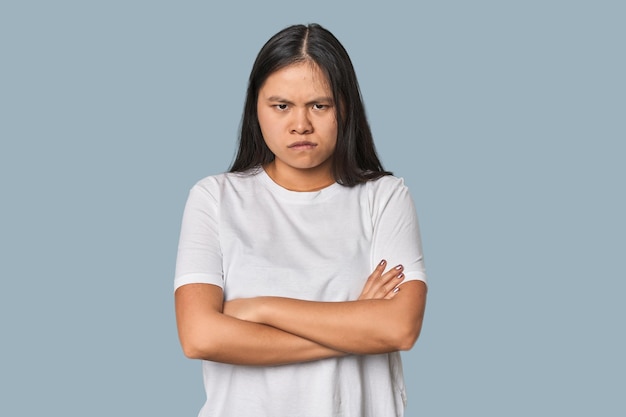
{"x": 302, "y": 145}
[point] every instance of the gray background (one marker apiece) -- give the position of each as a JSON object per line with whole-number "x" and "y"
{"x": 506, "y": 119}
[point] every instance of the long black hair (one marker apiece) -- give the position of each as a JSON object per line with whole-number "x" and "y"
{"x": 354, "y": 160}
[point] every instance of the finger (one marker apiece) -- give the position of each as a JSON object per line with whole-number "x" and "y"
{"x": 389, "y": 281}
{"x": 381, "y": 285}
{"x": 393, "y": 293}
{"x": 374, "y": 276}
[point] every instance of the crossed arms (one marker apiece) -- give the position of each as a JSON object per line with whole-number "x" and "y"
{"x": 387, "y": 317}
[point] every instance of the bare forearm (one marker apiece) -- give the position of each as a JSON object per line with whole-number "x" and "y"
{"x": 206, "y": 333}
{"x": 363, "y": 327}
{"x": 357, "y": 326}
{"x": 245, "y": 343}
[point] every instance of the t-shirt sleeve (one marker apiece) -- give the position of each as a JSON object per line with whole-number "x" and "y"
{"x": 199, "y": 258}
{"x": 396, "y": 229}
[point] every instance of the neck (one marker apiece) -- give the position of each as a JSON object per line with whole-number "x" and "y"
{"x": 302, "y": 180}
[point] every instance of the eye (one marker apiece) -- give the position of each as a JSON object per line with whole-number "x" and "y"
{"x": 320, "y": 106}
{"x": 280, "y": 107}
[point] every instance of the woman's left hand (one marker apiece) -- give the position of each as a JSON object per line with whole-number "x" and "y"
{"x": 381, "y": 284}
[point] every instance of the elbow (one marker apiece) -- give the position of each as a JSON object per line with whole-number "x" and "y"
{"x": 406, "y": 336}
{"x": 407, "y": 342}
{"x": 191, "y": 351}
{"x": 196, "y": 348}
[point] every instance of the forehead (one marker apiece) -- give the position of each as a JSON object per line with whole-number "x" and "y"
{"x": 301, "y": 76}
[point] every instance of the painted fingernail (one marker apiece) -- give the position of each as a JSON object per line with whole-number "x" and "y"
{"x": 383, "y": 262}
{"x": 400, "y": 276}
{"x": 396, "y": 289}
{"x": 399, "y": 267}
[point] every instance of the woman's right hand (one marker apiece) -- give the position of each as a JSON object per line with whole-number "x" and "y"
{"x": 381, "y": 284}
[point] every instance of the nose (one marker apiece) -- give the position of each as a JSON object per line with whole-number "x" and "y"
{"x": 301, "y": 122}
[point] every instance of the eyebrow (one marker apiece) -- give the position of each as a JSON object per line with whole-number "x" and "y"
{"x": 321, "y": 99}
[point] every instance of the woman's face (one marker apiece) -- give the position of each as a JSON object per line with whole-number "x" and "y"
{"x": 296, "y": 113}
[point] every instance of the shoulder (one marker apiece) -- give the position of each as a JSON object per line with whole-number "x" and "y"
{"x": 220, "y": 183}
{"x": 213, "y": 192}
{"x": 387, "y": 181}
{"x": 388, "y": 191}
{"x": 386, "y": 185}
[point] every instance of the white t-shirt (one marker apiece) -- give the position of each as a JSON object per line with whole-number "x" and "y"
{"x": 250, "y": 236}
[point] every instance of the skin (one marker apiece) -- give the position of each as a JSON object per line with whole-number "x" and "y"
{"x": 213, "y": 330}
{"x": 296, "y": 113}
{"x": 366, "y": 326}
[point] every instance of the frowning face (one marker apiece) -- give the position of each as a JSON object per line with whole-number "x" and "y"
{"x": 296, "y": 114}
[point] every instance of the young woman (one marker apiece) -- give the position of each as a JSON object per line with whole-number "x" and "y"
{"x": 299, "y": 275}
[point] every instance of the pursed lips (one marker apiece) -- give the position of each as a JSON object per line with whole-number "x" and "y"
{"x": 302, "y": 144}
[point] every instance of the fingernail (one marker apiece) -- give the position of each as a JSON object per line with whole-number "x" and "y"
{"x": 399, "y": 267}
{"x": 400, "y": 276}
{"x": 396, "y": 289}
{"x": 383, "y": 262}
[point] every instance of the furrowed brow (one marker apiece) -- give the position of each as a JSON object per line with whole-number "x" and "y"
{"x": 279, "y": 99}
{"x": 323, "y": 100}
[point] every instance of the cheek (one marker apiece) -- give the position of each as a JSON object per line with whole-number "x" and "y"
{"x": 265, "y": 123}
{"x": 271, "y": 132}
{"x": 332, "y": 131}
